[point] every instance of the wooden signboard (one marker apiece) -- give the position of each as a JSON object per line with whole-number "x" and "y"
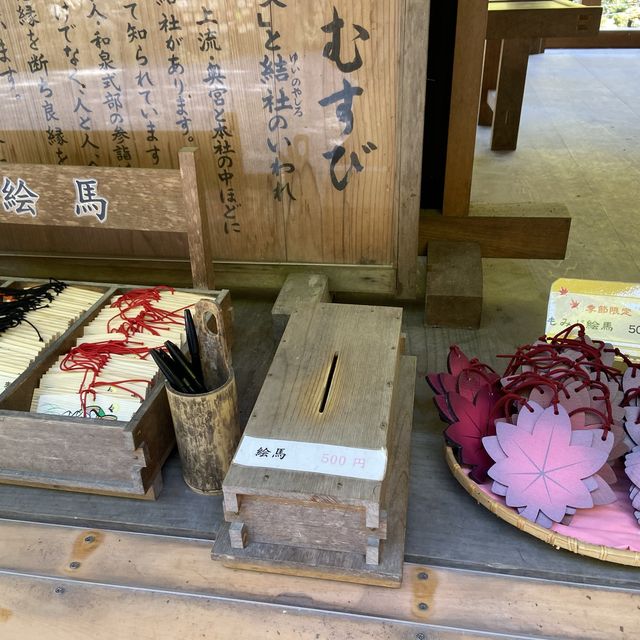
{"x": 295, "y": 106}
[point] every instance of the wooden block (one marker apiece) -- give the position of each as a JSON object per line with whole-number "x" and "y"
{"x": 340, "y": 565}
{"x": 454, "y": 285}
{"x": 238, "y": 535}
{"x": 298, "y": 289}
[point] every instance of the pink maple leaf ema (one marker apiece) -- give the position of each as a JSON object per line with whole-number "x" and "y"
{"x": 564, "y": 291}
{"x": 575, "y": 304}
{"x": 543, "y": 468}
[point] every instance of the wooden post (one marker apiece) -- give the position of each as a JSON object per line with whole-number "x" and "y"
{"x": 465, "y": 101}
{"x": 454, "y": 285}
{"x": 411, "y": 123}
{"x": 197, "y": 225}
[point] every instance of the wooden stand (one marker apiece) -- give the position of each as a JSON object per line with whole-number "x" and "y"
{"x": 336, "y": 381}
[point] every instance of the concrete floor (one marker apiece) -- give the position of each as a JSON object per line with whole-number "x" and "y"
{"x": 579, "y": 145}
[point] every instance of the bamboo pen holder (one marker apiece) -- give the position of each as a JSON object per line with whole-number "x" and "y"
{"x": 206, "y": 425}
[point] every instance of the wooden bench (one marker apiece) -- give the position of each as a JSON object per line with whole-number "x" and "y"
{"x": 511, "y": 28}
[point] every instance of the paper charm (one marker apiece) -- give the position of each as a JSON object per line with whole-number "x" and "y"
{"x": 546, "y": 473}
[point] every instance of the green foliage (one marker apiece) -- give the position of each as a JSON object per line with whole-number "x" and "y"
{"x": 623, "y": 14}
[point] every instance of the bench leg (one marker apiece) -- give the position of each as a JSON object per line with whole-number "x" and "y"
{"x": 511, "y": 81}
{"x": 489, "y": 80}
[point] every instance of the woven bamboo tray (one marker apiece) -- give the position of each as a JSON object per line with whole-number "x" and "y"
{"x": 557, "y": 540}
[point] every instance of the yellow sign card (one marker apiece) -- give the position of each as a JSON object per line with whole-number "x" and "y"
{"x": 610, "y": 311}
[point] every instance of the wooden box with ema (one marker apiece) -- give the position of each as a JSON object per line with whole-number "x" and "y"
{"x": 319, "y": 483}
{"x": 88, "y": 413}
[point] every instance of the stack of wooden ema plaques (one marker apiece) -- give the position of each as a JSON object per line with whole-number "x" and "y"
{"x": 319, "y": 483}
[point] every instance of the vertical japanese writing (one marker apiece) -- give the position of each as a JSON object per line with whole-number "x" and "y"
{"x": 296, "y": 85}
{"x": 171, "y": 29}
{"x": 137, "y": 37}
{"x": 222, "y": 135}
{"x": 38, "y": 66}
{"x": 343, "y": 99}
{"x": 7, "y": 73}
{"x": 276, "y": 100}
{"x": 82, "y": 112}
{"x": 112, "y": 91}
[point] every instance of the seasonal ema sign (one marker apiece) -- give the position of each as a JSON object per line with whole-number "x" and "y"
{"x": 20, "y": 199}
{"x": 609, "y": 311}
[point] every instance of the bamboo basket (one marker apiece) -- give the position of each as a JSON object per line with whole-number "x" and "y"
{"x": 557, "y": 540}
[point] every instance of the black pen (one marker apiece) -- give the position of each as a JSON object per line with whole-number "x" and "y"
{"x": 194, "y": 346}
{"x": 178, "y": 373}
{"x": 166, "y": 371}
{"x": 182, "y": 366}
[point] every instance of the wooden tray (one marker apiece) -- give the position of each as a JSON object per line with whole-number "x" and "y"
{"x": 80, "y": 454}
{"x": 557, "y": 540}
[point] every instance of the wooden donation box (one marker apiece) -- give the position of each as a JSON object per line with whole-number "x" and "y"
{"x": 318, "y": 485}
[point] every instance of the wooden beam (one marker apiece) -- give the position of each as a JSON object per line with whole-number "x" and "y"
{"x": 365, "y": 279}
{"x": 604, "y": 40}
{"x": 411, "y": 125}
{"x": 542, "y": 19}
{"x": 501, "y": 237}
{"x": 465, "y": 101}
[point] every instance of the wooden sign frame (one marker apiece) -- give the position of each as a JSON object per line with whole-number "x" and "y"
{"x": 124, "y": 198}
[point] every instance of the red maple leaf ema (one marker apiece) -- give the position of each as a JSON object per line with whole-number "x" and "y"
{"x": 564, "y": 291}
{"x": 575, "y": 304}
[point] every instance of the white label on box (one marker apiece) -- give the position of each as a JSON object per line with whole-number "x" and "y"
{"x": 332, "y": 460}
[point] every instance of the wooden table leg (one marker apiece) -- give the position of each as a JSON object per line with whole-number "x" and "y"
{"x": 511, "y": 80}
{"x": 489, "y": 80}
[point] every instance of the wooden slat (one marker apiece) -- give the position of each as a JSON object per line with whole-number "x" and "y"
{"x": 194, "y": 181}
{"x": 142, "y": 572}
{"x": 465, "y": 101}
{"x": 501, "y": 236}
{"x": 366, "y": 279}
{"x": 411, "y": 123}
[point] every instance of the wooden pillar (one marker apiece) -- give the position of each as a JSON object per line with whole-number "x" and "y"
{"x": 468, "y": 58}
